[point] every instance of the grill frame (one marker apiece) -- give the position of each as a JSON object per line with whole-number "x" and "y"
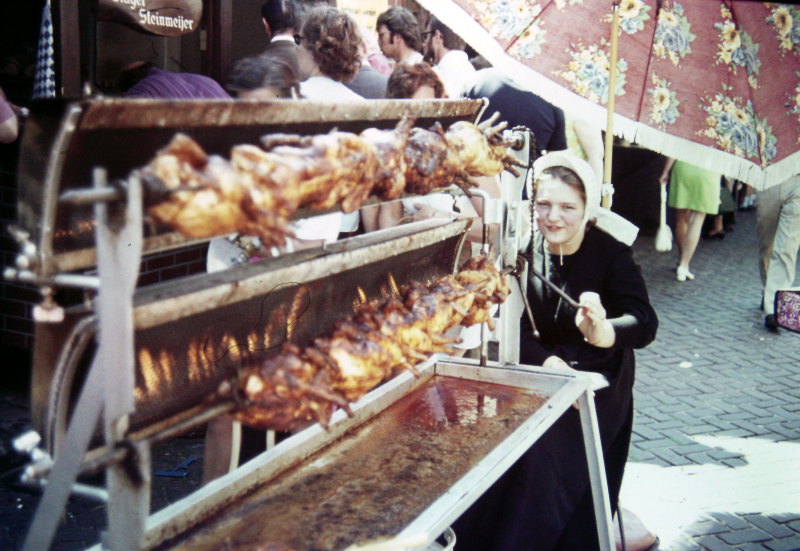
{"x": 65, "y": 140}
{"x": 129, "y": 481}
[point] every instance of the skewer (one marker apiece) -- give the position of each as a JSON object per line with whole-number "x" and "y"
{"x": 554, "y": 287}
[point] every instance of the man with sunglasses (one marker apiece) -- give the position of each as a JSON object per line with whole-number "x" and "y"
{"x": 280, "y": 18}
{"x": 398, "y": 35}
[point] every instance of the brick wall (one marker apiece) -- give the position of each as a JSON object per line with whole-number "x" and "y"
{"x": 166, "y": 266}
{"x": 16, "y": 325}
{"x": 17, "y": 300}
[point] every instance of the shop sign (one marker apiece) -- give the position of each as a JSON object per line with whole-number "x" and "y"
{"x": 161, "y": 17}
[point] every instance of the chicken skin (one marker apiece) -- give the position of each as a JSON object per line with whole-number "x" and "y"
{"x": 365, "y": 349}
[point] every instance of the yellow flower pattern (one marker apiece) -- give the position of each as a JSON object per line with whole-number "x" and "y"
{"x": 785, "y": 20}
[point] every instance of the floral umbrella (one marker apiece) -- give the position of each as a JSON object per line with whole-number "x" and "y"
{"x": 715, "y": 83}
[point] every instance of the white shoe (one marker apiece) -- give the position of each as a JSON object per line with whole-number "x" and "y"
{"x": 684, "y": 274}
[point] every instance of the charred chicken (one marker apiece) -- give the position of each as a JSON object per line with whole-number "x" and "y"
{"x": 365, "y": 349}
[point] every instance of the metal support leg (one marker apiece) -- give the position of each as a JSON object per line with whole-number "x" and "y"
{"x": 485, "y": 217}
{"x": 119, "y": 249}
{"x": 68, "y": 462}
{"x": 129, "y": 500}
{"x": 597, "y": 470}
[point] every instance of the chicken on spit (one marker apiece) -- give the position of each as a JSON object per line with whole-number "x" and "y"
{"x": 289, "y": 389}
{"x": 494, "y": 290}
{"x": 258, "y": 190}
{"x": 389, "y": 147}
{"x": 203, "y": 196}
{"x": 323, "y": 170}
{"x": 481, "y": 148}
{"x": 365, "y": 349}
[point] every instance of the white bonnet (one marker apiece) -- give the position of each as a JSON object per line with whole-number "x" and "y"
{"x": 580, "y": 167}
{"x": 605, "y": 220}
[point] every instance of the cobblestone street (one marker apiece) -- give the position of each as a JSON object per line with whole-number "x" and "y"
{"x": 715, "y": 459}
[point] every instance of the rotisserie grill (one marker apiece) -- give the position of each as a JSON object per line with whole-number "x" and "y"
{"x": 352, "y": 334}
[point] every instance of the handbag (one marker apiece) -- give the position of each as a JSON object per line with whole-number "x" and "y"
{"x": 787, "y": 309}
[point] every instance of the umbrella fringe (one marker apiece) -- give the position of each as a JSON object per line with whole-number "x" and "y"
{"x": 700, "y": 155}
{"x": 716, "y": 160}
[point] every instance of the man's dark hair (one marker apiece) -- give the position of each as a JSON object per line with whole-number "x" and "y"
{"x": 450, "y": 39}
{"x": 130, "y": 76}
{"x": 252, "y": 73}
{"x": 279, "y": 14}
{"x": 402, "y": 22}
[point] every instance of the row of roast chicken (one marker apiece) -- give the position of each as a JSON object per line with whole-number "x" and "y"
{"x": 259, "y": 188}
{"x": 377, "y": 342}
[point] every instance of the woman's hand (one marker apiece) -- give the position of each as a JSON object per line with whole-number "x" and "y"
{"x": 554, "y": 362}
{"x": 591, "y": 321}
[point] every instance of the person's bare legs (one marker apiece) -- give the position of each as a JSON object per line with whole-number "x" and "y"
{"x": 688, "y": 225}
{"x": 369, "y": 218}
{"x": 717, "y": 227}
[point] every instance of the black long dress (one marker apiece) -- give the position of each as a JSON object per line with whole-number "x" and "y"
{"x": 544, "y": 501}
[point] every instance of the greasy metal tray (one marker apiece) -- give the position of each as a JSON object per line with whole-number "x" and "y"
{"x": 415, "y": 455}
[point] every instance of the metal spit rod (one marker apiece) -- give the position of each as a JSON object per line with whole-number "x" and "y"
{"x": 485, "y": 249}
{"x": 149, "y": 438}
{"x": 91, "y": 196}
{"x": 59, "y": 280}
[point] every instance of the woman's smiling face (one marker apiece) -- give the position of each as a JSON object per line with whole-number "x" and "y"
{"x": 558, "y": 211}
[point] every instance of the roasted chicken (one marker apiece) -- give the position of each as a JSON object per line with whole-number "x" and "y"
{"x": 389, "y": 147}
{"x": 431, "y": 163}
{"x": 323, "y": 170}
{"x": 365, "y": 349}
{"x": 259, "y": 189}
{"x": 481, "y": 148}
{"x": 201, "y": 196}
{"x": 478, "y": 271}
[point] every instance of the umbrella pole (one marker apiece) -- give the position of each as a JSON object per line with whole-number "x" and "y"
{"x": 612, "y": 87}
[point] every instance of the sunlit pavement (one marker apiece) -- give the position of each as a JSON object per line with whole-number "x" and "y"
{"x": 715, "y": 458}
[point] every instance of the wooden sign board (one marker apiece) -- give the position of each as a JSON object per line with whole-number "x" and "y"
{"x": 159, "y": 17}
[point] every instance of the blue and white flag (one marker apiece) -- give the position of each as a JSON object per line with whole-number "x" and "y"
{"x": 44, "y": 84}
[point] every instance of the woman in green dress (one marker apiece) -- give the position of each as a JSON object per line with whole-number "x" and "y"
{"x": 693, "y": 193}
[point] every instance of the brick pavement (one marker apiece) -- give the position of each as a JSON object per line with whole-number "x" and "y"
{"x": 715, "y": 458}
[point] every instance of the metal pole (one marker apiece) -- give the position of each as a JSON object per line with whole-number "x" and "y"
{"x": 68, "y": 462}
{"x": 119, "y": 251}
{"x": 597, "y": 470}
{"x": 612, "y": 87}
{"x": 485, "y": 250}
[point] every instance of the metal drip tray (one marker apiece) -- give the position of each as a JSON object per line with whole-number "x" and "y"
{"x": 415, "y": 455}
